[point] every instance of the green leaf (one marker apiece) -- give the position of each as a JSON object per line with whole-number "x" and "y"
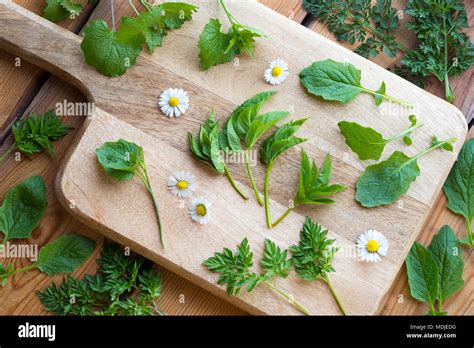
{"x": 332, "y": 80}
{"x": 22, "y": 209}
{"x": 423, "y": 274}
{"x": 213, "y": 44}
{"x": 384, "y": 182}
{"x": 36, "y": 133}
{"x": 280, "y": 141}
{"x": 459, "y": 186}
{"x": 366, "y": 142}
{"x": 103, "y": 51}
{"x": 275, "y": 261}
{"x": 64, "y": 255}
{"x": 261, "y": 124}
{"x": 379, "y": 93}
{"x": 120, "y": 159}
{"x": 446, "y": 250}
{"x": 58, "y": 10}
{"x": 176, "y": 14}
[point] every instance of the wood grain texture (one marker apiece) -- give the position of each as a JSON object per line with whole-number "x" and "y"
{"x": 199, "y": 301}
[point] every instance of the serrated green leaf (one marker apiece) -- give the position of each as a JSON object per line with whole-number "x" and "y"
{"x": 213, "y": 44}
{"x": 262, "y": 124}
{"x": 120, "y": 159}
{"x": 58, "y": 10}
{"x": 275, "y": 261}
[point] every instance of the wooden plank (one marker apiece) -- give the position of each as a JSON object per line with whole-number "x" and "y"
{"x": 20, "y": 79}
{"x": 293, "y": 9}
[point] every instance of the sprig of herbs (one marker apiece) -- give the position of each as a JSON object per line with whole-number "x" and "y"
{"x": 332, "y": 80}
{"x": 217, "y": 47}
{"x": 235, "y": 272}
{"x": 279, "y": 142}
{"x": 123, "y": 285}
{"x": 207, "y": 149}
{"x": 245, "y": 125}
{"x": 112, "y": 52}
{"x": 367, "y": 143}
{"x": 22, "y": 209}
{"x": 313, "y": 256}
{"x": 59, "y": 10}
{"x": 384, "y": 182}
{"x": 63, "y": 255}
{"x": 459, "y": 188}
{"x": 122, "y": 160}
{"x": 35, "y": 134}
{"x": 435, "y": 273}
{"x": 313, "y": 186}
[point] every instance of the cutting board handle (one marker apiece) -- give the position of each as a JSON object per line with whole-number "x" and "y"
{"x": 45, "y": 44}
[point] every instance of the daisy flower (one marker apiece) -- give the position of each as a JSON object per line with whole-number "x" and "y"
{"x": 182, "y": 184}
{"x": 371, "y": 245}
{"x": 277, "y": 72}
{"x": 199, "y": 210}
{"x": 174, "y": 102}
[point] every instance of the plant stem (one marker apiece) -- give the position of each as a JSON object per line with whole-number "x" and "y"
{"x": 252, "y": 181}
{"x": 146, "y": 4}
{"x": 284, "y": 215}
{"x": 405, "y": 132}
{"x": 266, "y": 195}
{"x": 387, "y": 97}
{"x": 7, "y": 153}
{"x": 336, "y": 297}
{"x": 19, "y": 270}
{"x": 448, "y": 91}
{"x": 290, "y": 299}
{"x": 146, "y": 182}
{"x": 469, "y": 231}
{"x": 233, "y": 183}
{"x": 134, "y": 8}
{"x": 231, "y": 18}
{"x": 431, "y": 148}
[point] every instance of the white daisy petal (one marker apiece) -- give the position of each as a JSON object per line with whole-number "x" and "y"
{"x": 176, "y": 107}
{"x": 371, "y": 245}
{"x": 199, "y": 210}
{"x": 181, "y": 184}
{"x": 276, "y": 72}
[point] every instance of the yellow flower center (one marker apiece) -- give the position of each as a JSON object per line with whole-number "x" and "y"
{"x": 201, "y": 210}
{"x": 276, "y": 71}
{"x": 182, "y": 185}
{"x": 173, "y": 102}
{"x": 372, "y": 246}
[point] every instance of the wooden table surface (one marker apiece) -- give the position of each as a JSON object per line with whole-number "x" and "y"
{"x": 25, "y": 88}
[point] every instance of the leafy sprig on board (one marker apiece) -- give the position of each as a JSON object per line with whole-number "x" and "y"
{"x": 370, "y": 25}
{"x": 217, "y": 47}
{"x": 435, "y": 273}
{"x": 22, "y": 209}
{"x": 123, "y": 285}
{"x": 245, "y": 125}
{"x": 63, "y": 255}
{"x": 35, "y": 134}
{"x": 367, "y": 143}
{"x": 276, "y": 144}
{"x": 206, "y": 148}
{"x": 313, "y": 256}
{"x": 459, "y": 188}
{"x": 332, "y": 80}
{"x": 313, "y": 186}
{"x": 384, "y": 182}
{"x": 59, "y": 10}
{"x": 235, "y": 272}
{"x": 123, "y": 160}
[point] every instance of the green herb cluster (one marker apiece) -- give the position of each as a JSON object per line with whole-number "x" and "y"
{"x": 312, "y": 259}
{"x": 332, "y": 80}
{"x": 217, "y": 47}
{"x": 123, "y": 160}
{"x": 59, "y": 10}
{"x": 459, "y": 188}
{"x": 113, "y": 52}
{"x": 35, "y": 134}
{"x": 123, "y": 285}
{"x": 435, "y": 273}
{"x": 367, "y": 143}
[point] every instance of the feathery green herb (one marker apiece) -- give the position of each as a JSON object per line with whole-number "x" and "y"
{"x": 63, "y": 255}
{"x": 384, "y": 182}
{"x": 280, "y": 141}
{"x": 313, "y": 256}
{"x": 207, "y": 149}
{"x": 35, "y": 134}
{"x": 235, "y": 272}
{"x": 459, "y": 188}
{"x": 246, "y": 125}
{"x": 332, "y": 80}
{"x": 367, "y": 143}
{"x": 435, "y": 273}
{"x": 313, "y": 186}
{"x": 122, "y": 160}
{"x": 22, "y": 209}
{"x": 217, "y": 47}
{"x": 124, "y": 285}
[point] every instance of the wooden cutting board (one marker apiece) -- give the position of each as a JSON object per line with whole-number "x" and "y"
{"x": 122, "y": 211}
